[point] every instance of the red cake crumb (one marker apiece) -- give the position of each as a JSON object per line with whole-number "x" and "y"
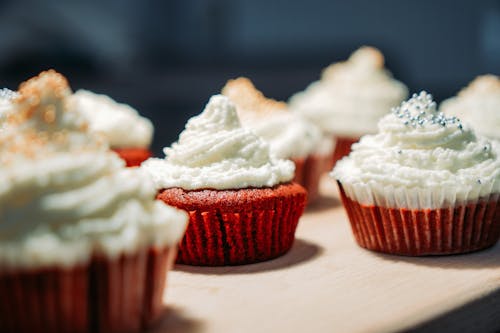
{"x": 133, "y": 156}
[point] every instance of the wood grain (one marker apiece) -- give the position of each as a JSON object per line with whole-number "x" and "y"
{"x": 326, "y": 283}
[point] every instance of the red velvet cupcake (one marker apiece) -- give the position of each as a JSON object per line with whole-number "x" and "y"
{"x": 127, "y": 133}
{"x": 424, "y": 185}
{"x": 290, "y": 136}
{"x": 84, "y": 245}
{"x": 350, "y": 98}
{"x": 242, "y": 205}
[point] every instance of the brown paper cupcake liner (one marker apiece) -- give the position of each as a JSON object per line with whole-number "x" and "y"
{"x": 119, "y": 295}
{"x": 234, "y": 227}
{"x": 308, "y": 173}
{"x": 461, "y": 228}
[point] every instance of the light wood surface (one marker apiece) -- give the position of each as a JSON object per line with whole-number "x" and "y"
{"x": 326, "y": 283}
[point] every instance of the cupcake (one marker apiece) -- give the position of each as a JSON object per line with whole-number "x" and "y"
{"x": 127, "y": 133}
{"x": 84, "y": 245}
{"x": 243, "y": 206}
{"x": 350, "y": 98}
{"x": 290, "y": 136}
{"x": 479, "y": 105}
{"x": 424, "y": 185}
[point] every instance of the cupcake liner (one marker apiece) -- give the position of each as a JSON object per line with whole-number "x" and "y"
{"x": 160, "y": 261}
{"x": 343, "y": 147}
{"x": 456, "y": 227}
{"x": 439, "y": 196}
{"x": 48, "y": 300}
{"x": 214, "y": 238}
{"x": 117, "y": 295}
{"x": 308, "y": 173}
{"x": 242, "y": 230}
{"x": 133, "y": 156}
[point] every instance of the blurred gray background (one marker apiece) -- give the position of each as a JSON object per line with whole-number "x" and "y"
{"x": 166, "y": 58}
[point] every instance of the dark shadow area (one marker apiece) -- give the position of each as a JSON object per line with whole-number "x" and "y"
{"x": 486, "y": 314}
{"x": 167, "y": 58}
{"x": 483, "y": 259}
{"x": 301, "y": 252}
{"x": 322, "y": 203}
{"x": 174, "y": 320}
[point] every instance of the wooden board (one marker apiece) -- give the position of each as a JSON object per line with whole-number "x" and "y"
{"x": 326, "y": 283}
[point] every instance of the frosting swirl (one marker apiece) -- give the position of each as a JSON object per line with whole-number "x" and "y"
{"x": 418, "y": 148}
{"x": 6, "y": 97}
{"x": 120, "y": 124}
{"x": 351, "y": 96}
{"x": 64, "y": 196}
{"x": 297, "y": 137}
{"x": 479, "y": 105}
{"x": 214, "y": 151}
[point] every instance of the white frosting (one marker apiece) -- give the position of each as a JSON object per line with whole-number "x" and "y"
{"x": 420, "y": 159}
{"x": 289, "y": 134}
{"x": 6, "y": 98}
{"x": 63, "y": 196}
{"x": 351, "y": 96}
{"x": 215, "y": 152}
{"x": 478, "y": 105}
{"x": 120, "y": 124}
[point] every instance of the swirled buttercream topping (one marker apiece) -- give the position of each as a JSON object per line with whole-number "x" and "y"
{"x": 288, "y": 133}
{"x": 419, "y": 148}
{"x": 215, "y": 152}
{"x": 6, "y": 97}
{"x": 120, "y": 124}
{"x": 351, "y": 96}
{"x": 479, "y": 105}
{"x": 64, "y": 196}
{"x": 7, "y": 94}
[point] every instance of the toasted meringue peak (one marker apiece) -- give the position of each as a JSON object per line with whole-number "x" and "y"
{"x": 488, "y": 83}
{"x": 248, "y": 98}
{"x": 366, "y": 57}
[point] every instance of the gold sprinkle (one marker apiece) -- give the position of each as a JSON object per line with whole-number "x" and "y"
{"x": 60, "y": 137}
{"x": 84, "y": 127}
{"x": 49, "y": 116}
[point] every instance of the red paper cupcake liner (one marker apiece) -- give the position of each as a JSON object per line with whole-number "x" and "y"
{"x": 233, "y": 227}
{"x": 308, "y": 173}
{"x": 120, "y": 295}
{"x": 160, "y": 261}
{"x": 342, "y": 147}
{"x": 48, "y": 300}
{"x": 415, "y": 232}
{"x": 133, "y": 156}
